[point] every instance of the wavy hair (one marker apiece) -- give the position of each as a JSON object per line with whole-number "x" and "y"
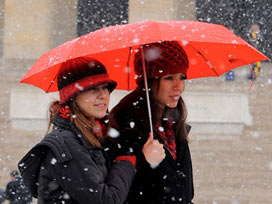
{"x": 87, "y": 126}
{"x": 181, "y": 131}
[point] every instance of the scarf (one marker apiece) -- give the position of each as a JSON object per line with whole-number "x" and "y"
{"x": 166, "y": 129}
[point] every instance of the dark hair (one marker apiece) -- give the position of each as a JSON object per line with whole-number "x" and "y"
{"x": 157, "y": 113}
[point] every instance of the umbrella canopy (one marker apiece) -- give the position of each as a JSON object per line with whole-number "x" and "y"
{"x": 212, "y": 50}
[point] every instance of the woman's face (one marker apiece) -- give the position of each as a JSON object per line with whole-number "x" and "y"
{"x": 94, "y": 102}
{"x": 168, "y": 89}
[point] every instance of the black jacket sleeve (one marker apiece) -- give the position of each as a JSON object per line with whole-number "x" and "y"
{"x": 84, "y": 179}
{"x": 7, "y": 194}
{"x": 130, "y": 142}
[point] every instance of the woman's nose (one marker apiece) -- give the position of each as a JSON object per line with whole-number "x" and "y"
{"x": 102, "y": 93}
{"x": 177, "y": 84}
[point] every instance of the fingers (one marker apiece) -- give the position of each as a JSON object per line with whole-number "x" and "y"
{"x": 150, "y": 136}
{"x": 153, "y": 151}
{"x": 149, "y": 140}
{"x": 156, "y": 143}
{"x": 159, "y": 148}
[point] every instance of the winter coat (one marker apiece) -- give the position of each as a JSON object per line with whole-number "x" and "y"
{"x": 2, "y": 195}
{"x": 172, "y": 180}
{"x": 65, "y": 168}
{"x": 17, "y": 193}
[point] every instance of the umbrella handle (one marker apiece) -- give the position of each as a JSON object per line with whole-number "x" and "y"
{"x": 147, "y": 94}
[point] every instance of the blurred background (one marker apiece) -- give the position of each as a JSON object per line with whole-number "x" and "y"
{"x": 231, "y": 135}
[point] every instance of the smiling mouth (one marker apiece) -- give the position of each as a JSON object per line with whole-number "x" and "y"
{"x": 100, "y": 105}
{"x": 175, "y": 98}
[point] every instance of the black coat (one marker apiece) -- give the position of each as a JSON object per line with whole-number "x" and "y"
{"x": 172, "y": 180}
{"x": 2, "y": 195}
{"x": 17, "y": 193}
{"x": 65, "y": 168}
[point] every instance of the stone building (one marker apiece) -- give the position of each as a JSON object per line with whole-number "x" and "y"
{"x": 231, "y": 135}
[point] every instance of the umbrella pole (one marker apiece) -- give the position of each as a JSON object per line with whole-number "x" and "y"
{"x": 147, "y": 94}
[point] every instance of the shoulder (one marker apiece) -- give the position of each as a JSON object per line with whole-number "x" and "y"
{"x": 10, "y": 184}
{"x": 124, "y": 104}
{"x": 55, "y": 142}
{"x": 120, "y": 113}
{"x": 62, "y": 142}
{"x": 129, "y": 108}
{"x": 61, "y": 136}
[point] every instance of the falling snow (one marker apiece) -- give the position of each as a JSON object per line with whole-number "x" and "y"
{"x": 152, "y": 54}
{"x": 53, "y": 161}
{"x": 132, "y": 124}
{"x": 161, "y": 129}
{"x": 79, "y": 87}
{"x": 270, "y": 165}
{"x": 113, "y": 133}
{"x": 228, "y": 162}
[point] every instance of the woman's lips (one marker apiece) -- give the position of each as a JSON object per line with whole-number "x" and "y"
{"x": 101, "y": 105}
{"x": 175, "y": 97}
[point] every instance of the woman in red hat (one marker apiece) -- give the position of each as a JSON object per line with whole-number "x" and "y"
{"x": 70, "y": 164}
{"x": 169, "y": 181}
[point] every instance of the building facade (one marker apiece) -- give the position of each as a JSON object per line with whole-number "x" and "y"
{"x": 231, "y": 162}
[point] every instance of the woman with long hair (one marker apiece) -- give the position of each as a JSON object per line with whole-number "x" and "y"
{"x": 171, "y": 180}
{"x": 70, "y": 164}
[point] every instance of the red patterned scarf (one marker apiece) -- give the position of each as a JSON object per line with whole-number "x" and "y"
{"x": 166, "y": 129}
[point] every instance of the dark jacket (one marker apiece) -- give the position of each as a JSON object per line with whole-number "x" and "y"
{"x": 65, "y": 168}
{"x": 2, "y": 195}
{"x": 172, "y": 180}
{"x": 17, "y": 193}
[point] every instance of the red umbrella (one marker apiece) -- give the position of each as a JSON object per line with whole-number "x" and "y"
{"x": 212, "y": 50}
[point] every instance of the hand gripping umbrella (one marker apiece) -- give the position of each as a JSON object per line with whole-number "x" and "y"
{"x": 212, "y": 50}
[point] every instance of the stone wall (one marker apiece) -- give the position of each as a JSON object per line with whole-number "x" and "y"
{"x": 28, "y": 29}
{"x": 140, "y": 10}
{"x": 34, "y": 27}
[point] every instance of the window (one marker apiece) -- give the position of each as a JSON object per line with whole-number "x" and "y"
{"x": 239, "y": 16}
{"x": 95, "y": 14}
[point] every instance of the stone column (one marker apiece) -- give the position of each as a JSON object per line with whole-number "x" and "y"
{"x": 34, "y": 27}
{"x": 185, "y": 9}
{"x": 1, "y": 27}
{"x": 161, "y": 10}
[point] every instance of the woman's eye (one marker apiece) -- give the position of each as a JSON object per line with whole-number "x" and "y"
{"x": 96, "y": 88}
{"x": 183, "y": 77}
{"x": 92, "y": 89}
{"x": 106, "y": 87}
{"x": 169, "y": 78}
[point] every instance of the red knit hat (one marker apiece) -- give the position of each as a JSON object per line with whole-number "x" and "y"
{"x": 162, "y": 58}
{"x": 81, "y": 74}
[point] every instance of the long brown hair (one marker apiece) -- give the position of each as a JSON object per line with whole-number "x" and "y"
{"x": 87, "y": 126}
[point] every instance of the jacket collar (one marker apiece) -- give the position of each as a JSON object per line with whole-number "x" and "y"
{"x": 65, "y": 124}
